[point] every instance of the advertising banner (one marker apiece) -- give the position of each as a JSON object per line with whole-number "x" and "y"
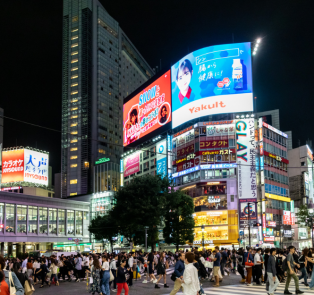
{"x": 247, "y": 210}
{"x": 246, "y": 153}
{"x": 212, "y": 143}
{"x": 287, "y": 217}
{"x": 162, "y": 158}
{"x": 36, "y": 167}
{"x": 132, "y": 164}
{"x": 25, "y": 165}
{"x": 212, "y": 80}
{"x": 227, "y": 129}
{"x": 12, "y": 166}
{"x": 148, "y": 110}
{"x": 185, "y": 138}
{"x": 186, "y": 150}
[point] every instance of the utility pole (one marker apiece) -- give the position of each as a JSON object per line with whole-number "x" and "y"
{"x": 248, "y": 217}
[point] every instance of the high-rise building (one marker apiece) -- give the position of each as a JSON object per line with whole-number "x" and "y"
{"x": 100, "y": 67}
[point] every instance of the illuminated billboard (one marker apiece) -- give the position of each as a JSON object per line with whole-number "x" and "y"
{"x": 212, "y": 80}
{"x": 25, "y": 165}
{"x": 131, "y": 164}
{"x": 147, "y": 111}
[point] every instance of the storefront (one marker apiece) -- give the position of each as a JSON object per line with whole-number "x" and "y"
{"x": 216, "y": 228}
{"x": 211, "y": 202}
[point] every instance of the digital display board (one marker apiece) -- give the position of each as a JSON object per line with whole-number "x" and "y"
{"x": 131, "y": 164}
{"x": 25, "y": 165}
{"x": 147, "y": 111}
{"x": 212, "y": 80}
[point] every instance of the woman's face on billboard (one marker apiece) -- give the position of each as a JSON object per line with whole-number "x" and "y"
{"x": 184, "y": 79}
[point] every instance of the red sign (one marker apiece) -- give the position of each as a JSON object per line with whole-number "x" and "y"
{"x": 269, "y": 239}
{"x": 279, "y": 159}
{"x": 186, "y": 150}
{"x": 12, "y": 166}
{"x": 186, "y": 165}
{"x": 131, "y": 164}
{"x": 271, "y": 223}
{"x": 215, "y": 152}
{"x": 287, "y": 217}
{"x": 213, "y": 144}
{"x": 148, "y": 110}
{"x": 183, "y": 131}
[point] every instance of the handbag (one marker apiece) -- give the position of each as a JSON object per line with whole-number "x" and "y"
{"x": 209, "y": 264}
{"x": 28, "y": 288}
{"x": 12, "y": 286}
{"x": 247, "y": 263}
{"x": 111, "y": 276}
{"x": 173, "y": 277}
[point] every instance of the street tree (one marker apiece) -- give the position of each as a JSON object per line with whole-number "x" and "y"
{"x": 303, "y": 216}
{"x": 104, "y": 227}
{"x": 141, "y": 203}
{"x": 179, "y": 221}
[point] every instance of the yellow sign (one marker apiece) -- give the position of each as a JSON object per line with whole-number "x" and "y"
{"x": 275, "y": 197}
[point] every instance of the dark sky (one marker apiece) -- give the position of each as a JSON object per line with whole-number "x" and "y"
{"x": 31, "y": 50}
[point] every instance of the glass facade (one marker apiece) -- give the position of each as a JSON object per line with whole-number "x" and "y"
{"x": 1, "y": 216}
{"x": 79, "y": 222}
{"x": 43, "y": 220}
{"x": 61, "y": 219}
{"x": 210, "y": 218}
{"x": 211, "y": 233}
{"x": 53, "y": 221}
{"x": 10, "y": 218}
{"x": 70, "y": 220}
{"x": 21, "y": 218}
{"x": 32, "y": 219}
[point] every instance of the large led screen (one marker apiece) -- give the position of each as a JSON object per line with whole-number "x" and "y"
{"x": 25, "y": 165}
{"x": 148, "y": 110}
{"x": 212, "y": 80}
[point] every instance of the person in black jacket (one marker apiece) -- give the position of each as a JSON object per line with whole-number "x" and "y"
{"x": 43, "y": 273}
{"x": 121, "y": 278}
{"x": 266, "y": 257}
{"x": 161, "y": 270}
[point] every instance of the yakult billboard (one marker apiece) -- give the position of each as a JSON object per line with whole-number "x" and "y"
{"x": 212, "y": 80}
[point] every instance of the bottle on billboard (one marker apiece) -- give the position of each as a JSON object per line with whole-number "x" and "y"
{"x": 237, "y": 74}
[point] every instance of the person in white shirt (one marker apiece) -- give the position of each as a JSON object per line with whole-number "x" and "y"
{"x": 106, "y": 276}
{"x": 131, "y": 262}
{"x": 113, "y": 268}
{"x": 190, "y": 281}
{"x": 258, "y": 262}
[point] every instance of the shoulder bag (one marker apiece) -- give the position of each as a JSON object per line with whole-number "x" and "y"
{"x": 12, "y": 286}
{"x": 28, "y": 288}
{"x": 247, "y": 263}
{"x": 111, "y": 276}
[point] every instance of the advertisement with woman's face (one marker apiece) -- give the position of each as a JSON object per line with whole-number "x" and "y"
{"x": 212, "y": 80}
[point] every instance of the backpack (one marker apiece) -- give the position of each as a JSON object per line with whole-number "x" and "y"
{"x": 284, "y": 265}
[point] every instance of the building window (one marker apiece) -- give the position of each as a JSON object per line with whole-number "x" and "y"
{"x": 74, "y": 77}
{"x": 74, "y": 117}
{"x": 74, "y": 69}
{"x": 70, "y": 225}
{"x": 73, "y": 141}
{"x": 74, "y": 84}
{"x": 74, "y": 109}
{"x": 86, "y": 165}
{"x": 1, "y": 216}
{"x": 74, "y": 60}
{"x": 74, "y": 92}
{"x": 61, "y": 219}
{"x": 74, "y": 132}
{"x": 21, "y": 218}
{"x": 73, "y": 181}
{"x": 73, "y": 194}
{"x": 53, "y": 221}
{"x": 73, "y": 157}
{"x": 43, "y": 220}
{"x": 32, "y": 219}
{"x": 10, "y": 218}
{"x": 74, "y": 19}
{"x": 79, "y": 222}
{"x": 74, "y": 30}
{"x": 73, "y": 124}
{"x": 74, "y": 45}
{"x": 73, "y": 149}
{"x": 74, "y": 37}
{"x": 73, "y": 165}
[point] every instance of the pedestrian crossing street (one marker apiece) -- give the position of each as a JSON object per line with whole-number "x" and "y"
{"x": 243, "y": 289}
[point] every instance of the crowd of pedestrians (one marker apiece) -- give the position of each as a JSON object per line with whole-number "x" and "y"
{"x": 105, "y": 273}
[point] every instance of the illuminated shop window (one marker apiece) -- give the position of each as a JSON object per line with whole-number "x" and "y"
{"x": 211, "y": 233}
{"x": 210, "y": 218}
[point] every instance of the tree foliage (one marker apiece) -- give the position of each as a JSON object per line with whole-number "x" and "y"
{"x": 179, "y": 222}
{"x": 104, "y": 227}
{"x": 141, "y": 203}
{"x": 303, "y": 216}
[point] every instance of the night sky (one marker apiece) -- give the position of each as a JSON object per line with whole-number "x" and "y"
{"x": 31, "y": 52}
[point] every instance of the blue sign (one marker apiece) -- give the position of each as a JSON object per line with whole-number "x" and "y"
{"x": 241, "y": 232}
{"x": 187, "y": 171}
{"x": 212, "y": 80}
{"x": 121, "y": 166}
{"x": 218, "y": 166}
{"x": 169, "y": 142}
{"x": 275, "y": 190}
{"x": 162, "y": 167}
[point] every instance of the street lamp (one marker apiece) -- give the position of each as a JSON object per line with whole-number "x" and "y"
{"x": 257, "y": 43}
{"x": 203, "y": 233}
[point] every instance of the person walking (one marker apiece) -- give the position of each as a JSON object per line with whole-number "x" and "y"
{"x": 161, "y": 270}
{"x": 290, "y": 272}
{"x": 78, "y": 267}
{"x": 271, "y": 272}
{"x": 224, "y": 257}
{"x": 150, "y": 262}
{"x": 43, "y": 272}
{"x": 217, "y": 258}
{"x": 122, "y": 273}
{"x": 248, "y": 258}
{"x": 258, "y": 266}
{"x": 190, "y": 281}
{"x": 178, "y": 270}
{"x": 240, "y": 261}
{"x": 113, "y": 269}
{"x": 303, "y": 264}
{"x": 54, "y": 271}
{"x": 95, "y": 276}
{"x": 106, "y": 275}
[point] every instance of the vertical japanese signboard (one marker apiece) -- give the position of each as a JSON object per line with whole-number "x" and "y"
{"x": 246, "y": 152}
{"x": 162, "y": 158}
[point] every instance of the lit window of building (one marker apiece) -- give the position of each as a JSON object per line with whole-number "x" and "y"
{"x": 74, "y": 124}
{"x": 73, "y": 149}
{"x": 74, "y": 92}
{"x": 74, "y": 45}
{"x": 74, "y": 60}
{"x": 73, "y": 181}
{"x": 73, "y": 132}
{"x": 74, "y": 77}
{"x": 74, "y": 37}
{"x": 73, "y": 141}
{"x": 74, "y": 53}
{"x": 74, "y": 84}
{"x": 74, "y": 109}
{"x": 73, "y": 165}
{"x": 73, "y": 157}
{"x": 74, "y": 69}
{"x": 74, "y": 117}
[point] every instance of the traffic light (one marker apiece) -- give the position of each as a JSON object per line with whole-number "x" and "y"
{"x": 257, "y": 224}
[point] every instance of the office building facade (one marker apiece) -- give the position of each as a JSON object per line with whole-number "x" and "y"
{"x": 100, "y": 68}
